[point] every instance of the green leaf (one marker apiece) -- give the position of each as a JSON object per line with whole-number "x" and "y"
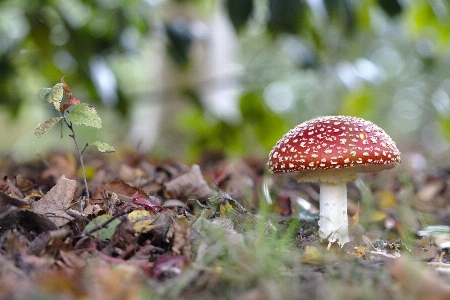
{"x": 45, "y": 126}
{"x": 104, "y": 233}
{"x": 56, "y": 95}
{"x": 104, "y": 147}
{"x": 44, "y": 93}
{"x": 85, "y": 114}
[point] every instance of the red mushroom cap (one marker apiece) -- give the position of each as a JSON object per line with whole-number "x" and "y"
{"x": 333, "y": 149}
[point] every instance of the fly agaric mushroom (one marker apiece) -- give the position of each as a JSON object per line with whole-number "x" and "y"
{"x": 332, "y": 150}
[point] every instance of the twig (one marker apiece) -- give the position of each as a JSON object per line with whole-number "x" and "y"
{"x": 101, "y": 226}
{"x": 80, "y": 153}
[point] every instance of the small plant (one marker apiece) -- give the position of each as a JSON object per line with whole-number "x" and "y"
{"x": 80, "y": 114}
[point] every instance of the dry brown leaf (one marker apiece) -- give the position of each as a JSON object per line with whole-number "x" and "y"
{"x": 12, "y": 213}
{"x": 24, "y": 185}
{"x": 123, "y": 240}
{"x": 39, "y": 244}
{"x": 56, "y": 201}
{"x": 70, "y": 259}
{"x": 123, "y": 188}
{"x": 189, "y": 184}
{"x": 174, "y": 203}
{"x": 92, "y": 209}
{"x": 429, "y": 191}
{"x": 179, "y": 235}
{"x": 9, "y": 188}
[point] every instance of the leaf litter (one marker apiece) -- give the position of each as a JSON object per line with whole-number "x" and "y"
{"x": 171, "y": 231}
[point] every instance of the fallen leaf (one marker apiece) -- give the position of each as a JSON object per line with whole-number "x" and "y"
{"x": 12, "y": 214}
{"x": 312, "y": 256}
{"x": 56, "y": 201}
{"x": 189, "y": 184}
{"x": 430, "y": 190}
{"x": 142, "y": 220}
{"x": 71, "y": 259}
{"x": 123, "y": 240}
{"x": 102, "y": 233}
{"x": 93, "y": 209}
{"x": 8, "y": 187}
{"x": 179, "y": 236}
{"x": 122, "y": 188}
{"x": 208, "y": 235}
{"x": 25, "y": 185}
{"x": 51, "y": 239}
{"x": 173, "y": 203}
{"x": 386, "y": 200}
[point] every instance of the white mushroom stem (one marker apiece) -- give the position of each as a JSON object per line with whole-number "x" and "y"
{"x": 333, "y": 221}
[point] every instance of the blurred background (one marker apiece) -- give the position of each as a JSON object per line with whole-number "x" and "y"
{"x": 178, "y": 77}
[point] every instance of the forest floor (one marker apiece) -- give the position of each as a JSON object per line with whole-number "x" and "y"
{"x": 218, "y": 229}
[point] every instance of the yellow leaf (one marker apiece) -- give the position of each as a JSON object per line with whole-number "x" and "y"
{"x": 378, "y": 216}
{"x": 143, "y": 221}
{"x": 312, "y": 256}
{"x": 386, "y": 200}
{"x": 360, "y": 251}
{"x": 145, "y": 225}
{"x": 137, "y": 214}
{"x": 32, "y": 195}
{"x": 225, "y": 209}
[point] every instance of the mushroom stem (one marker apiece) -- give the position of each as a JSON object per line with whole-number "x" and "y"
{"x": 333, "y": 220}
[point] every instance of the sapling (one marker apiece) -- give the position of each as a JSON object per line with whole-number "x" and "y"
{"x": 79, "y": 114}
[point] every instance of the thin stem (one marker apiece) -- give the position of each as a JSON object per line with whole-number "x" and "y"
{"x": 80, "y": 153}
{"x": 102, "y": 225}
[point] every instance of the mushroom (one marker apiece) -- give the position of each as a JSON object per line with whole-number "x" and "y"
{"x": 332, "y": 150}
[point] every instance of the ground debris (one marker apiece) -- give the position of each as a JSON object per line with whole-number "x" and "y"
{"x": 164, "y": 230}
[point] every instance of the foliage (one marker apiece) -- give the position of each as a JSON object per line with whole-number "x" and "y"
{"x": 261, "y": 126}
{"x": 348, "y": 57}
{"x": 81, "y": 114}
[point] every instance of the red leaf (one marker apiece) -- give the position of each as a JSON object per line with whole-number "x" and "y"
{"x": 147, "y": 204}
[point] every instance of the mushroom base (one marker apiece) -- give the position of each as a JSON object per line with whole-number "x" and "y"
{"x": 333, "y": 220}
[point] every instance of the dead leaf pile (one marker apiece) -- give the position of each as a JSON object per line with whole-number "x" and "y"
{"x": 167, "y": 230}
